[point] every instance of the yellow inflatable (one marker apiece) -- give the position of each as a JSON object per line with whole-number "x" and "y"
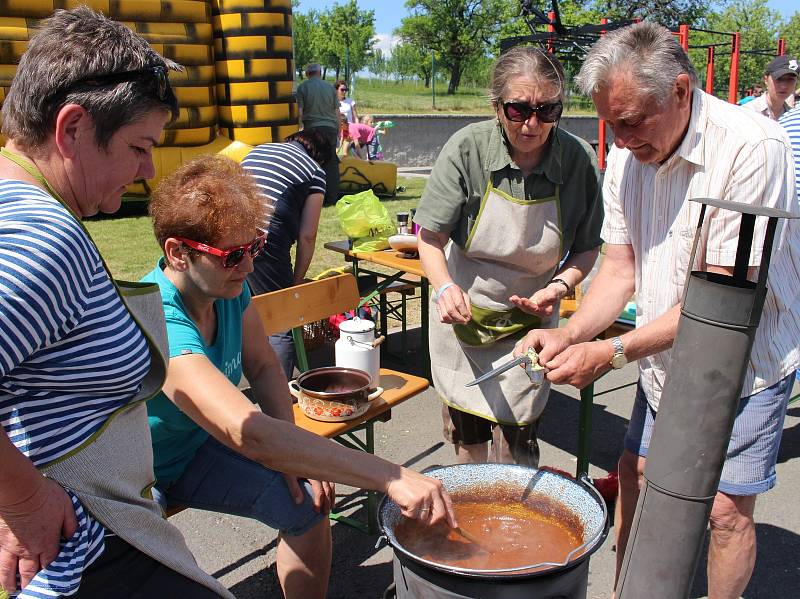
{"x": 237, "y": 87}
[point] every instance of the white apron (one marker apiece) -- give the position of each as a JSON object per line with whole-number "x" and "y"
{"x": 513, "y": 248}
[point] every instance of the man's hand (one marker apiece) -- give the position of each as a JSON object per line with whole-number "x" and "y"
{"x": 580, "y": 364}
{"x": 454, "y": 306}
{"x": 541, "y": 303}
{"x": 31, "y": 532}
{"x": 547, "y": 342}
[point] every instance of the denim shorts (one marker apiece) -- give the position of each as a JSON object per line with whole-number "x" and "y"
{"x": 219, "y": 479}
{"x": 749, "y": 467}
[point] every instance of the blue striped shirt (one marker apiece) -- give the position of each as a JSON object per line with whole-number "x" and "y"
{"x": 791, "y": 122}
{"x": 287, "y": 175}
{"x": 71, "y": 354}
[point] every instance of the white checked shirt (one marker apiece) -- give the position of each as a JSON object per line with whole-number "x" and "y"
{"x": 729, "y": 154}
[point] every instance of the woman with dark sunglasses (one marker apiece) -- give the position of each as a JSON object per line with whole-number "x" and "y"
{"x": 347, "y": 106}
{"x": 510, "y": 223}
{"x": 80, "y": 353}
{"x": 213, "y": 447}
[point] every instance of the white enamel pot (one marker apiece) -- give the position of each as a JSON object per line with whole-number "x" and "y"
{"x": 358, "y": 348}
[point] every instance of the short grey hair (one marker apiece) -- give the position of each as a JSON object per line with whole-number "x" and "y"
{"x": 69, "y": 47}
{"x": 314, "y": 69}
{"x": 529, "y": 62}
{"x": 649, "y": 52}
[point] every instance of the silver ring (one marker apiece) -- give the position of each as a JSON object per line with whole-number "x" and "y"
{"x": 424, "y": 509}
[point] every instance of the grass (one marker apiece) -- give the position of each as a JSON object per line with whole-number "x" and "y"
{"x": 379, "y": 96}
{"x": 130, "y": 249}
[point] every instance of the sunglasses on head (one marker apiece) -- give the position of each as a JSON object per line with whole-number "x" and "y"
{"x": 519, "y": 112}
{"x": 157, "y": 77}
{"x": 231, "y": 257}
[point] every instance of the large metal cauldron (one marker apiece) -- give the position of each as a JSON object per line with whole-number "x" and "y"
{"x": 418, "y": 578}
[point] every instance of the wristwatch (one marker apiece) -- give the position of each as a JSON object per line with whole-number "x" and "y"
{"x": 618, "y": 360}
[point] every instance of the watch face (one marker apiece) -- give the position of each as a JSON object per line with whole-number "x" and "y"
{"x": 618, "y": 361}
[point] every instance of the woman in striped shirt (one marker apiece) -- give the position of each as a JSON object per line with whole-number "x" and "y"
{"x": 87, "y": 104}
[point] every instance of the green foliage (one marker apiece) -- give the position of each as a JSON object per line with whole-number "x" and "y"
{"x": 341, "y": 38}
{"x": 457, "y": 30}
{"x": 408, "y": 60}
{"x": 669, "y": 13}
{"x": 758, "y": 28}
{"x": 790, "y": 32}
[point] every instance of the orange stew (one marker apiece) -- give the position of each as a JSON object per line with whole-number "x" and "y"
{"x": 513, "y": 532}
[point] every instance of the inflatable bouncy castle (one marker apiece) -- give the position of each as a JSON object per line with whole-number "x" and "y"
{"x": 237, "y": 87}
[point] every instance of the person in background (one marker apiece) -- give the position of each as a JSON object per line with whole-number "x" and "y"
{"x": 87, "y": 104}
{"x": 290, "y": 175}
{"x": 319, "y": 109}
{"x": 374, "y": 147}
{"x": 790, "y": 121}
{"x": 509, "y": 224}
{"x": 673, "y": 142}
{"x": 780, "y": 79}
{"x": 347, "y": 106}
{"x": 757, "y": 91}
{"x": 212, "y": 447}
{"x": 362, "y": 138}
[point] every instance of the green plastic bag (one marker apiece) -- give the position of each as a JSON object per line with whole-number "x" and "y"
{"x": 365, "y": 221}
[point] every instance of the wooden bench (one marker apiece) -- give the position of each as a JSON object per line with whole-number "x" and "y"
{"x": 293, "y": 307}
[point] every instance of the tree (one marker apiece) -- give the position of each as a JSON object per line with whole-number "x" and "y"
{"x": 456, "y": 30}
{"x": 409, "y": 61}
{"x": 758, "y": 28}
{"x": 790, "y": 32}
{"x": 346, "y": 38}
{"x": 303, "y": 29}
{"x": 669, "y": 13}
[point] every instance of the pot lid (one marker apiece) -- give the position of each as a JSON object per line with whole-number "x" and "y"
{"x": 356, "y": 325}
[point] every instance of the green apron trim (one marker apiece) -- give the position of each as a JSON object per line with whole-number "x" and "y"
{"x": 488, "y": 326}
{"x": 123, "y": 288}
{"x": 530, "y": 202}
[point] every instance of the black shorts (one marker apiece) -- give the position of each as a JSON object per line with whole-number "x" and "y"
{"x": 124, "y": 571}
{"x": 509, "y": 442}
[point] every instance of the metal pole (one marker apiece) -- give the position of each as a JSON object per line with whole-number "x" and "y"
{"x": 433, "y": 78}
{"x": 733, "y": 87}
{"x": 710, "y": 71}
{"x": 717, "y": 326}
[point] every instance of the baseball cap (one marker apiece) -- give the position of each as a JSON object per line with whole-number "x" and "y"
{"x": 782, "y": 65}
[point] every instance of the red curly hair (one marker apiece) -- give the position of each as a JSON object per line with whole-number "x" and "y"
{"x": 207, "y": 199}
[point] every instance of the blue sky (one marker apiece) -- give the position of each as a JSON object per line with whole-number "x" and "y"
{"x": 389, "y": 13}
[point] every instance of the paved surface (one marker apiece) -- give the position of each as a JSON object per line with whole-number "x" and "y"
{"x": 241, "y": 552}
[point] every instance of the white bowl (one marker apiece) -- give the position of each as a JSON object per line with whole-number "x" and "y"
{"x": 403, "y": 242}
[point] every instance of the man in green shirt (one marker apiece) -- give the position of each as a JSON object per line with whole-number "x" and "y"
{"x": 319, "y": 109}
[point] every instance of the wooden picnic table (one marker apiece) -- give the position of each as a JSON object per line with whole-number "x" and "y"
{"x": 403, "y": 266}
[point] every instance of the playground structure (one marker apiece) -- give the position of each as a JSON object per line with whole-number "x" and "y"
{"x": 237, "y": 87}
{"x": 576, "y": 40}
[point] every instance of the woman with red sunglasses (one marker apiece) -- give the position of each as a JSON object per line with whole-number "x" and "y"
{"x": 510, "y": 223}
{"x": 213, "y": 448}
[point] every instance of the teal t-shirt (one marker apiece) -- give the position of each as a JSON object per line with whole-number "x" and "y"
{"x": 176, "y": 437}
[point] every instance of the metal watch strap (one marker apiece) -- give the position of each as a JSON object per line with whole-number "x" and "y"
{"x": 619, "y": 348}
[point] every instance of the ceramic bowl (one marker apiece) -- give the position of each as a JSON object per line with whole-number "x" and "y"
{"x": 403, "y": 242}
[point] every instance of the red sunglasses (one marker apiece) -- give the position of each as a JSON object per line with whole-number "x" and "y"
{"x": 231, "y": 257}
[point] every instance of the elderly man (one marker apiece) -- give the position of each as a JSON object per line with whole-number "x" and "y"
{"x": 674, "y": 142}
{"x": 780, "y": 78}
{"x": 319, "y": 109}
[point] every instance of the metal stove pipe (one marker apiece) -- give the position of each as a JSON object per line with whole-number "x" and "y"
{"x": 719, "y": 318}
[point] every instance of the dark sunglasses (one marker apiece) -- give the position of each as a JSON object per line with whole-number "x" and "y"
{"x": 519, "y": 112}
{"x": 157, "y": 77}
{"x": 344, "y": 89}
{"x": 231, "y": 257}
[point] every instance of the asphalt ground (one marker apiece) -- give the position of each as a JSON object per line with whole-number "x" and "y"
{"x": 241, "y": 552}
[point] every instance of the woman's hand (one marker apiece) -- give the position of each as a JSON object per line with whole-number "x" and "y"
{"x": 454, "y": 306}
{"x": 541, "y": 303}
{"x": 323, "y": 493}
{"x": 421, "y": 497}
{"x": 31, "y": 532}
